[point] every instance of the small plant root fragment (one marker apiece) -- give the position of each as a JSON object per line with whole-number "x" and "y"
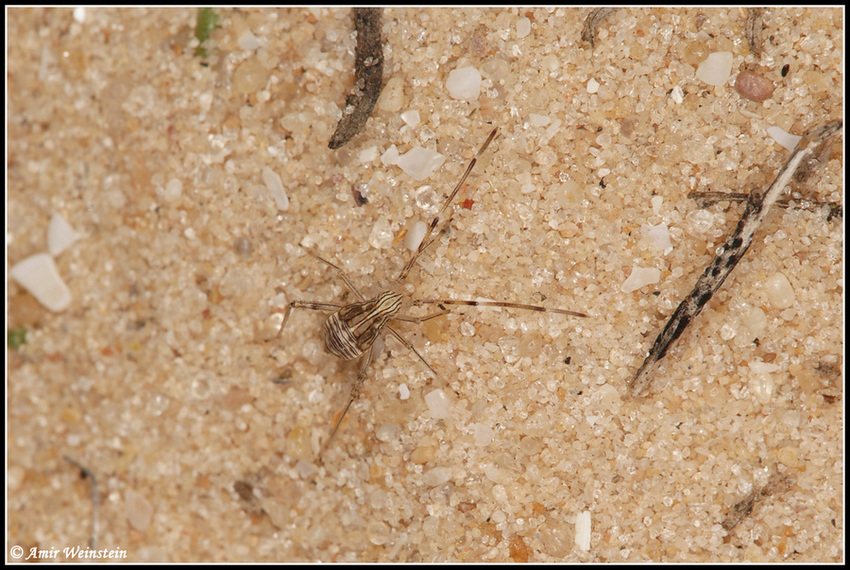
{"x": 207, "y": 22}
{"x": 94, "y": 500}
{"x": 752, "y": 30}
{"x": 368, "y": 73}
{"x": 592, "y": 22}
{"x": 775, "y": 485}
{"x": 757, "y": 208}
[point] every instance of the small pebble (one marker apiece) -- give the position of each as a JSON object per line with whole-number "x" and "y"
{"x": 464, "y": 84}
{"x": 753, "y": 86}
{"x": 780, "y": 293}
{"x": 716, "y": 68}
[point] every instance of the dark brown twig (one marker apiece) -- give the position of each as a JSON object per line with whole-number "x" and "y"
{"x": 368, "y": 73}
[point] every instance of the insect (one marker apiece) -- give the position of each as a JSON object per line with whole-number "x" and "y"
{"x": 351, "y": 330}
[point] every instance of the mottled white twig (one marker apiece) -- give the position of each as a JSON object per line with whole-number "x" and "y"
{"x": 758, "y": 205}
{"x": 591, "y": 23}
{"x": 777, "y": 484}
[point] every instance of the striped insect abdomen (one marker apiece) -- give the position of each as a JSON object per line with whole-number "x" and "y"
{"x": 349, "y": 332}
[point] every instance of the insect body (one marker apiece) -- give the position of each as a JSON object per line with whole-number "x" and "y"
{"x": 351, "y": 330}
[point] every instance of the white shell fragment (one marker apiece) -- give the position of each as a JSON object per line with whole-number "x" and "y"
{"x": 785, "y": 139}
{"x": 60, "y": 235}
{"x": 414, "y": 237}
{"x": 275, "y": 186}
{"x": 583, "y": 531}
{"x": 716, "y": 68}
{"x": 420, "y": 163}
{"x": 38, "y": 275}
{"x": 640, "y": 276}
{"x": 464, "y": 84}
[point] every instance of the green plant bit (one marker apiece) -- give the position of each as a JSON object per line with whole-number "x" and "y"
{"x": 207, "y": 22}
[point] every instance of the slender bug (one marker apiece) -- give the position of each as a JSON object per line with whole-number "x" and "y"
{"x": 351, "y": 330}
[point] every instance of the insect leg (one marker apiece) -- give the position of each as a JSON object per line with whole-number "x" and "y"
{"x": 355, "y": 391}
{"x": 348, "y": 282}
{"x": 503, "y": 304}
{"x": 423, "y": 245}
{"x": 306, "y": 305}
{"x": 407, "y": 344}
